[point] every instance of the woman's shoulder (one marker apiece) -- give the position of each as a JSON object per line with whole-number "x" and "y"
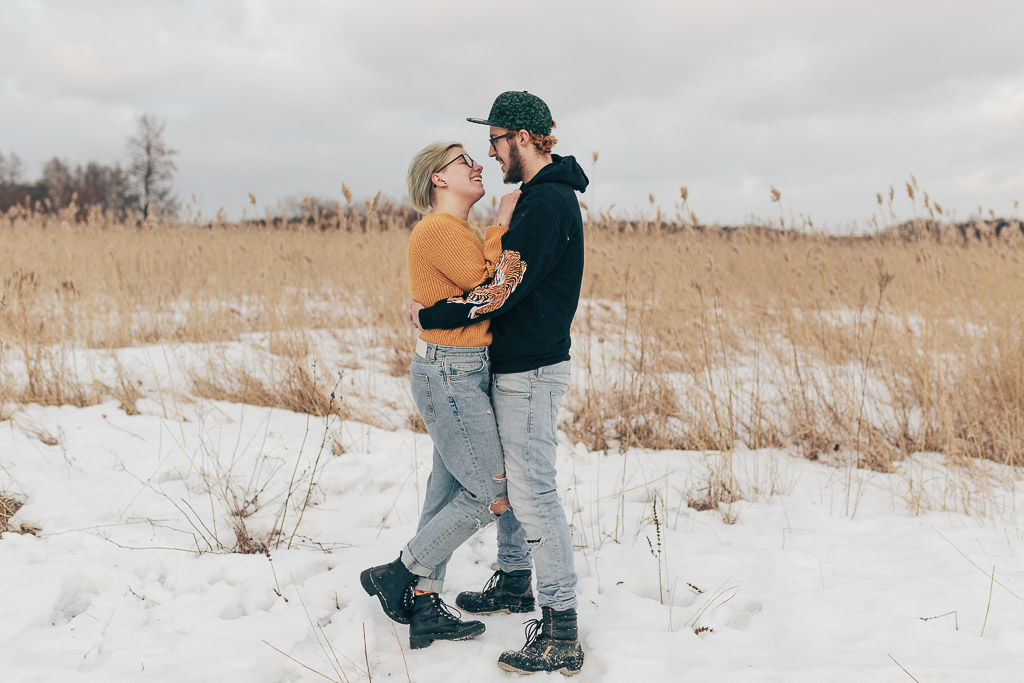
{"x": 428, "y": 227}
{"x": 433, "y": 221}
{"x": 438, "y": 225}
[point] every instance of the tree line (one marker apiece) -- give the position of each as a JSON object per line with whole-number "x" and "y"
{"x": 144, "y": 187}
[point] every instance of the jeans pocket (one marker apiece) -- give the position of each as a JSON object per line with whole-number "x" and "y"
{"x": 556, "y": 396}
{"x": 513, "y": 385}
{"x": 421, "y": 396}
{"x": 457, "y": 368}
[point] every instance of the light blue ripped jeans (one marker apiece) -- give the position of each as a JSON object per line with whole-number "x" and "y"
{"x": 451, "y": 389}
{"x": 526, "y": 407}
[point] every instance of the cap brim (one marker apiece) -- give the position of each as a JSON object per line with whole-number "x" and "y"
{"x": 484, "y": 122}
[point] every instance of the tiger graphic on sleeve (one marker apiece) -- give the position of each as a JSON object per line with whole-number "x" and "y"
{"x": 508, "y": 273}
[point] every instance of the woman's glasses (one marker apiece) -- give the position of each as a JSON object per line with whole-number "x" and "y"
{"x": 465, "y": 157}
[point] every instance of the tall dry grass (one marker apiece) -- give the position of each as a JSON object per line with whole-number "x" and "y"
{"x": 881, "y": 346}
{"x": 859, "y": 348}
{"x": 100, "y": 284}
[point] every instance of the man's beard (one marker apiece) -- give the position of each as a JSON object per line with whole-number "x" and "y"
{"x": 514, "y": 174}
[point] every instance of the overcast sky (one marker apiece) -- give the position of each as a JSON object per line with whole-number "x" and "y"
{"x": 830, "y": 102}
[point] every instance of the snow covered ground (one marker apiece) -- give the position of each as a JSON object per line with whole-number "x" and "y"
{"x": 817, "y": 573}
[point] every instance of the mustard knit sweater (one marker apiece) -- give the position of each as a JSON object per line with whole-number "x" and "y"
{"x": 448, "y": 257}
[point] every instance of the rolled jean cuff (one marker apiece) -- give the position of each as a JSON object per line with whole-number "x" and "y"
{"x": 426, "y": 584}
{"x": 557, "y": 606}
{"x": 413, "y": 565}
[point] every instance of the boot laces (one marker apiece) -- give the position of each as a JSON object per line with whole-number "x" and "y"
{"x": 445, "y": 610}
{"x": 534, "y": 627}
{"x": 492, "y": 582}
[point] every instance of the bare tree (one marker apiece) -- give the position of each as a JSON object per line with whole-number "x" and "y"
{"x": 151, "y": 168}
{"x": 60, "y": 186}
{"x": 11, "y": 169}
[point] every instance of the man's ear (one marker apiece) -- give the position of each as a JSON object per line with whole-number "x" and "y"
{"x": 523, "y": 137}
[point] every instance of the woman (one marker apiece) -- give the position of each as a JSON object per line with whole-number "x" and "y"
{"x": 450, "y": 376}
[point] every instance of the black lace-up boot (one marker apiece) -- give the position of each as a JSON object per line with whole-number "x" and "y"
{"x": 505, "y": 592}
{"x": 552, "y": 644}
{"x": 392, "y": 583}
{"x": 433, "y": 620}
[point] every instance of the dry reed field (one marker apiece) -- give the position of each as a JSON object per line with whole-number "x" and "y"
{"x": 858, "y": 351}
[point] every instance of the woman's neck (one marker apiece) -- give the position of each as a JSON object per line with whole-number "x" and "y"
{"x": 449, "y": 205}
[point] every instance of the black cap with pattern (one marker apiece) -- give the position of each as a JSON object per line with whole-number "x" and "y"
{"x": 518, "y": 110}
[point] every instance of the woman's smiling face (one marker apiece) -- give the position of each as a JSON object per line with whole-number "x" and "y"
{"x": 461, "y": 175}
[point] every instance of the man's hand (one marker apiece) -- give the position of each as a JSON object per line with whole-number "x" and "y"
{"x": 507, "y": 206}
{"x": 412, "y": 313}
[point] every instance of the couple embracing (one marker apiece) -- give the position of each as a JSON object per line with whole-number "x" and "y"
{"x": 491, "y": 363}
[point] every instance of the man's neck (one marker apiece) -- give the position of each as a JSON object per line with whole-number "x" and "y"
{"x": 533, "y": 164}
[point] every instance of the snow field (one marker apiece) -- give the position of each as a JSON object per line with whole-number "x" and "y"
{"x": 809, "y": 578}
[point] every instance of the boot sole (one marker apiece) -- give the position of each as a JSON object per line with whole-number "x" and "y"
{"x": 565, "y": 671}
{"x": 422, "y": 641}
{"x": 518, "y": 609}
{"x": 366, "y": 579}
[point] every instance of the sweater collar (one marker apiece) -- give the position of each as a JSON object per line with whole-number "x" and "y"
{"x": 461, "y": 222}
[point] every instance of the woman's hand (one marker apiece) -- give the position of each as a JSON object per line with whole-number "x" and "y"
{"x": 412, "y": 313}
{"x": 507, "y": 206}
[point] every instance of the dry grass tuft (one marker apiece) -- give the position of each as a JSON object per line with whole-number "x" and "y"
{"x": 52, "y": 380}
{"x": 127, "y": 390}
{"x": 293, "y": 385}
{"x": 8, "y": 506}
{"x": 6, "y": 384}
{"x": 414, "y": 422}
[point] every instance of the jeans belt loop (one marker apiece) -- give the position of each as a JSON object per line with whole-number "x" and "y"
{"x": 421, "y": 349}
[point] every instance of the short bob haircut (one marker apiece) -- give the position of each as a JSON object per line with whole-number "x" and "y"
{"x": 423, "y": 165}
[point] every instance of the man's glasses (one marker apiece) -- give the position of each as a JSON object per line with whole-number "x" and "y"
{"x": 465, "y": 157}
{"x": 499, "y": 137}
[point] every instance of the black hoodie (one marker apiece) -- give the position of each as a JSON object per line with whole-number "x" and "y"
{"x": 536, "y": 285}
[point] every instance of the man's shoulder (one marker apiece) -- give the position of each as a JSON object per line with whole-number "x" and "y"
{"x": 558, "y": 198}
{"x": 553, "y": 188}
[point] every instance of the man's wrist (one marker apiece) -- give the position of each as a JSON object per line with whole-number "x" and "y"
{"x": 421, "y": 318}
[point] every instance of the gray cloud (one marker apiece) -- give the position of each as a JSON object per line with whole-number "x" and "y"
{"x": 830, "y": 103}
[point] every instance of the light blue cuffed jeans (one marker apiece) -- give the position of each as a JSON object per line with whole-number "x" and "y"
{"x": 526, "y": 408}
{"x": 451, "y": 389}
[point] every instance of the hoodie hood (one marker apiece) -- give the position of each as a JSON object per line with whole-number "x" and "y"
{"x": 563, "y": 170}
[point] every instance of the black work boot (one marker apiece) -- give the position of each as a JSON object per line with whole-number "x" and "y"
{"x": 433, "y": 620}
{"x": 504, "y": 592}
{"x": 392, "y": 583}
{"x": 552, "y": 644}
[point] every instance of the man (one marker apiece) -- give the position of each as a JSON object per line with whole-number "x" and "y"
{"x": 532, "y": 299}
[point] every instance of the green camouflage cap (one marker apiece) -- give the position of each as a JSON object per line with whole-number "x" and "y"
{"x": 518, "y": 110}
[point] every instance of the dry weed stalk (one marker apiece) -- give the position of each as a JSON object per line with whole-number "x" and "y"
{"x": 656, "y": 548}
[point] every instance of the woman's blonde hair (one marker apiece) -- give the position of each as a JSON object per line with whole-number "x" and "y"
{"x": 423, "y": 165}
